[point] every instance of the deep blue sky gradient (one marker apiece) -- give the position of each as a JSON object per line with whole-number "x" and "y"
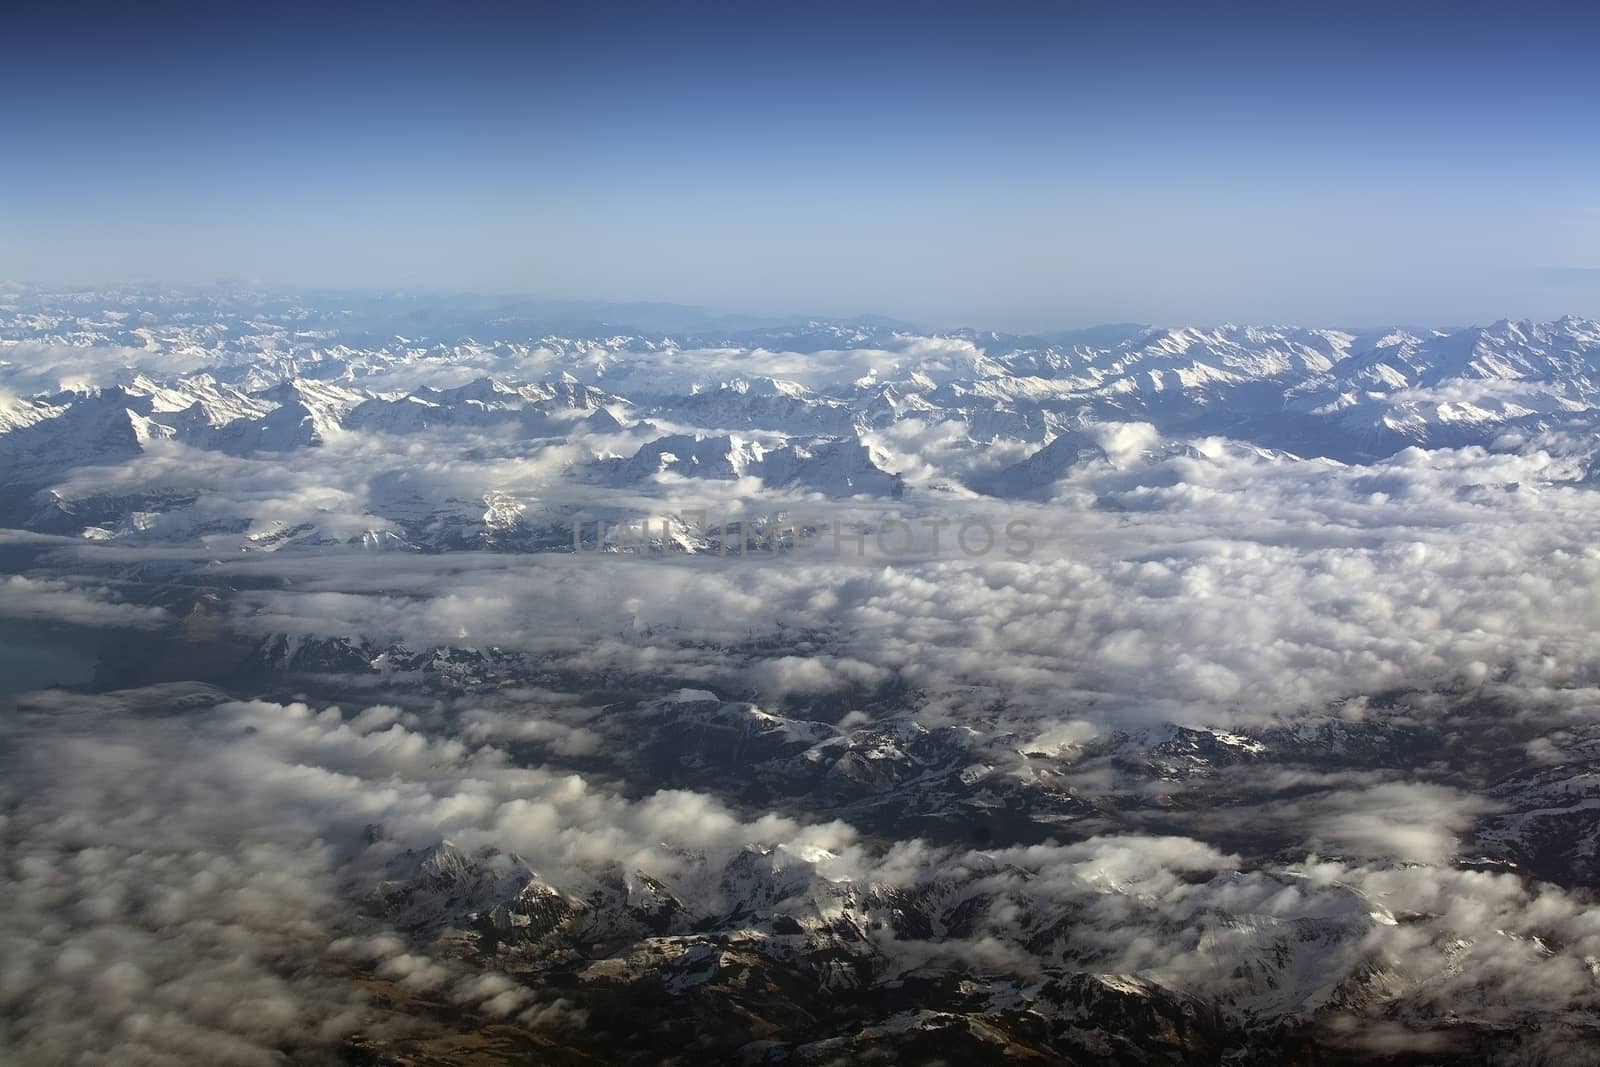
{"x": 1007, "y": 165}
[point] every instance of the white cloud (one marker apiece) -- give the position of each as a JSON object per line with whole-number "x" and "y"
{"x": 76, "y": 603}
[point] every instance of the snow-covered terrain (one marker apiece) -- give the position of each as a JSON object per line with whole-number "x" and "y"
{"x": 817, "y": 409}
{"x": 816, "y": 693}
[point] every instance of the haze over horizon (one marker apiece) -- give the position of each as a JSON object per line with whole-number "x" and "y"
{"x": 1040, "y": 168}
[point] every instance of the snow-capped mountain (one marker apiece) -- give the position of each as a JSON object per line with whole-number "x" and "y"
{"x": 834, "y": 468}
{"x": 808, "y": 409}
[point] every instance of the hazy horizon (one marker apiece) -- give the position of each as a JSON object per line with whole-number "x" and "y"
{"x": 675, "y": 317}
{"x": 1023, "y": 168}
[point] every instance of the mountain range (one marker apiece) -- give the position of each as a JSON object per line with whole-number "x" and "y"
{"x": 811, "y": 409}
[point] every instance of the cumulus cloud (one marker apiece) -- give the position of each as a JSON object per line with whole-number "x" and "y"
{"x": 78, "y": 603}
{"x": 1235, "y": 593}
{"x": 180, "y": 869}
{"x": 153, "y": 916}
{"x": 185, "y": 869}
{"x": 46, "y": 367}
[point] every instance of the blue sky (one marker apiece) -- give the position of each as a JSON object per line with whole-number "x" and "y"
{"x": 1007, "y": 165}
